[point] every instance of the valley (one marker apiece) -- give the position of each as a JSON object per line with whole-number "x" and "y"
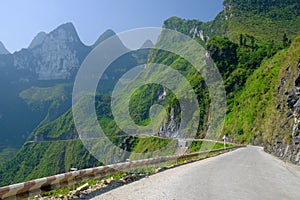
{"x": 255, "y": 47}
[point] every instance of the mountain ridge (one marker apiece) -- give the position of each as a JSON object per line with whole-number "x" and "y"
{"x": 3, "y": 49}
{"x": 105, "y": 35}
{"x": 191, "y": 27}
{"x": 266, "y": 21}
{"x": 37, "y": 40}
{"x": 37, "y": 81}
{"x": 245, "y": 57}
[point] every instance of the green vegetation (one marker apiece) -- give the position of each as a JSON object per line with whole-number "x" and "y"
{"x": 237, "y": 62}
{"x": 148, "y": 170}
{"x": 56, "y": 100}
{"x": 253, "y": 116}
{"x": 150, "y": 147}
{"x": 35, "y": 160}
{"x": 250, "y": 43}
{"x": 57, "y": 128}
{"x": 266, "y": 20}
{"x": 41, "y": 159}
{"x": 37, "y": 96}
{"x": 64, "y": 127}
{"x": 6, "y": 154}
{"x": 197, "y": 145}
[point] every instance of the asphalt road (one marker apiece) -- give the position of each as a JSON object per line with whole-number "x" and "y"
{"x": 247, "y": 173}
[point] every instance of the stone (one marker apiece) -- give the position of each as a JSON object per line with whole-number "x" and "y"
{"x": 83, "y": 187}
{"x": 36, "y": 197}
{"x": 133, "y": 177}
{"x": 157, "y": 170}
{"x": 102, "y": 181}
{"x": 73, "y": 169}
{"x": 109, "y": 180}
{"x": 123, "y": 180}
{"x": 298, "y": 157}
{"x": 119, "y": 182}
{"x": 76, "y": 193}
{"x": 160, "y": 169}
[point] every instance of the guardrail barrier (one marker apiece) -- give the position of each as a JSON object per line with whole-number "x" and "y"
{"x": 38, "y": 186}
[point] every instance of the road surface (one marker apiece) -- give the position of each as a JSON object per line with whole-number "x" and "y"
{"x": 247, "y": 173}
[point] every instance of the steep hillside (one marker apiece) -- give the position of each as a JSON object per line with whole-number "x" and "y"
{"x": 265, "y": 112}
{"x": 266, "y": 20}
{"x": 235, "y": 62}
{"x": 40, "y": 159}
{"x": 43, "y": 159}
{"x": 242, "y": 37}
{"x": 254, "y": 31}
{"x": 56, "y": 99}
{"x": 37, "y": 82}
{"x": 250, "y": 43}
{"x": 51, "y": 59}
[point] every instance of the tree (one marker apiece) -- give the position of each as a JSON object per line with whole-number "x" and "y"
{"x": 285, "y": 40}
{"x": 224, "y": 53}
{"x": 241, "y": 39}
{"x": 252, "y": 41}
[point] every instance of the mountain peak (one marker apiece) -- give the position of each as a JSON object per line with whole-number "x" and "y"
{"x": 107, "y": 34}
{"x": 67, "y": 27}
{"x": 3, "y": 50}
{"x": 65, "y": 32}
{"x": 38, "y": 39}
{"x": 55, "y": 55}
{"x": 147, "y": 44}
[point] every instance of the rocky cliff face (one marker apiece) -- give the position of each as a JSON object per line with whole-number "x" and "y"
{"x": 293, "y": 103}
{"x": 170, "y": 127}
{"x": 288, "y": 148}
{"x": 53, "y": 56}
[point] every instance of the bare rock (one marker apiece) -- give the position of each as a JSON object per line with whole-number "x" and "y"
{"x": 83, "y": 187}
{"x": 108, "y": 181}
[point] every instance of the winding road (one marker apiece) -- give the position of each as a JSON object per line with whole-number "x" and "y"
{"x": 247, "y": 173}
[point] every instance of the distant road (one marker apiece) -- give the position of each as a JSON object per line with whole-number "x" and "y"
{"x": 247, "y": 173}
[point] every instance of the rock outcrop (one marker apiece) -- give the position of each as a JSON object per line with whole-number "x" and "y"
{"x": 53, "y": 56}
{"x": 288, "y": 104}
{"x": 170, "y": 127}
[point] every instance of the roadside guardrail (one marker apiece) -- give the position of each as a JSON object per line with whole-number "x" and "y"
{"x": 39, "y": 186}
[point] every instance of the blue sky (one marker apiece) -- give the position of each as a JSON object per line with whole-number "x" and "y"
{"x": 21, "y": 20}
